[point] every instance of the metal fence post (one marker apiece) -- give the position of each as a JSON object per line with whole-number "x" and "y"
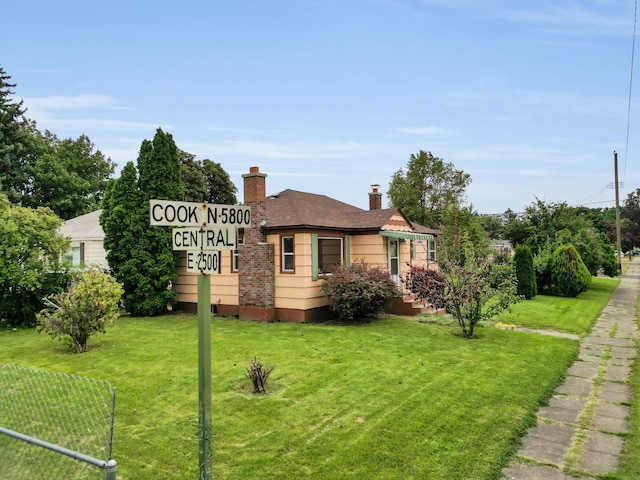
{"x": 111, "y": 469}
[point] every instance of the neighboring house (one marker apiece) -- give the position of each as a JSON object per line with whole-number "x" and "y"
{"x": 501, "y": 247}
{"x": 87, "y": 241}
{"x": 296, "y": 238}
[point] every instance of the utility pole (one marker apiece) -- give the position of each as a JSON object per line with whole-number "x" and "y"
{"x": 618, "y": 230}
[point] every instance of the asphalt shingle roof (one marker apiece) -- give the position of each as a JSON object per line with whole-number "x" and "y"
{"x": 84, "y": 227}
{"x": 291, "y": 208}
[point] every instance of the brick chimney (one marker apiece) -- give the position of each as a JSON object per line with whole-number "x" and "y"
{"x": 375, "y": 198}
{"x": 254, "y": 186}
{"x": 256, "y": 260}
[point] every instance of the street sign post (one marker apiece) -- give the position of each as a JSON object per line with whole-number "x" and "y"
{"x": 209, "y": 238}
{"x": 204, "y": 262}
{"x": 190, "y": 214}
{"x": 207, "y": 229}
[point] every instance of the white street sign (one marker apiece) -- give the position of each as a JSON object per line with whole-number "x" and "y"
{"x": 204, "y": 262}
{"x": 194, "y": 238}
{"x": 192, "y": 214}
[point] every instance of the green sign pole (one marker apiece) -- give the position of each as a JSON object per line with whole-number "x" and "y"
{"x": 204, "y": 375}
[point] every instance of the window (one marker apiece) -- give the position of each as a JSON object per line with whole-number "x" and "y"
{"x": 234, "y": 253}
{"x": 329, "y": 254}
{"x": 431, "y": 249}
{"x": 287, "y": 263}
{"x": 74, "y": 258}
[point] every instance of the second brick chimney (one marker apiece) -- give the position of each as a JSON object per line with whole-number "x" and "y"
{"x": 375, "y": 198}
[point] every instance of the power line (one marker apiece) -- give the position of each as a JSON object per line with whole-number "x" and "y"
{"x": 595, "y": 195}
{"x": 633, "y": 49}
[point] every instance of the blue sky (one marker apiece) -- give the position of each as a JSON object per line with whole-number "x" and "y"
{"x": 331, "y": 96}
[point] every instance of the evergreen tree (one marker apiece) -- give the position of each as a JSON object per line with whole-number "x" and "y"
{"x": 525, "y": 273}
{"x": 569, "y": 275}
{"x": 15, "y": 141}
{"x": 124, "y": 227}
{"x": 159, "y": 178}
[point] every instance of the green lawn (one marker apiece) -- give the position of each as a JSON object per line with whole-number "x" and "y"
{"x": 391, "y": 399}
{"x": 570, "y": 315}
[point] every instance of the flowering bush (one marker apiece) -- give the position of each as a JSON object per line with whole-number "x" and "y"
{"x": 427, "y": 285}
{"x": 359, "y": 290}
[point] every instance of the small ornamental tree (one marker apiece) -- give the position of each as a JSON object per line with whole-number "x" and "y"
{"x": 87, "y": 308}
{"x": 473, "y": 292}
{"x": 359, "y": 290}
{"x": 569, "y": 275}
{"x": 525, "y": 273}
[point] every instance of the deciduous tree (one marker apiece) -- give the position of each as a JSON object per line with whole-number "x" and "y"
{"x": 630, "y": 215}
{"x": 426, "y": 187}
{"x": 30, "y": 253}
{"x": 473, "y": 294}
{"x": 545, "y": 226}
{"x": 69, "y": 176}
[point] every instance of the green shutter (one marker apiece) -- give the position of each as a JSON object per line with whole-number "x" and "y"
{"x": 347, "y": 250}
{"x": 314, "y": 256}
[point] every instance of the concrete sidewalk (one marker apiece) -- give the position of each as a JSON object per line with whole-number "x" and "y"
{"x": 577, "y": 434}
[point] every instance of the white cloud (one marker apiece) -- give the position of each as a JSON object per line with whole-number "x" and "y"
{"x": 574, "y": 19}
{"x": 72, "y": 102}
{"x": 301, "y": 150}
{"x": 105, "y": 124}
{"x": 424, "y": 130}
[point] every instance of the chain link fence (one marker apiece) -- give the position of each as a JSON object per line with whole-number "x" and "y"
{"x": 55, "y": 426}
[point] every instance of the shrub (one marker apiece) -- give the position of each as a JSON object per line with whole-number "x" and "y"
{"x": 19, "y": 309}
{"x": 541, "y": 268}
{"x": 474, "y": 294}
{"x": 499, "y": 273}
{"x": 359, "y": 290}
{"x": 569, "y": 275}
{"x": 426, "y": 284}
{"x": 86, "y": 308}
{"x": 525, "y": 272}
{"x": 258, "y": 374}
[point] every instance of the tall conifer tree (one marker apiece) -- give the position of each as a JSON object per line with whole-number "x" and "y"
{"x": 525, "y": 272}
{"x": 15, "y": 141}
{"x": 159, "y": 178}
{"x": 124, "y": 225}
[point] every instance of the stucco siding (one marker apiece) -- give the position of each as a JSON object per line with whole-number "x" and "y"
{"x": 223, "y": 286}
{"x": 297, "y": 290}
{"x": 371, "y": 249}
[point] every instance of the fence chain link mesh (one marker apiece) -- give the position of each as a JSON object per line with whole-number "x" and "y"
{"x": 65, "y": 410}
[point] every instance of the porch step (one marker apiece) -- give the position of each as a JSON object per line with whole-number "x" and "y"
{"x": 410, "y": 305}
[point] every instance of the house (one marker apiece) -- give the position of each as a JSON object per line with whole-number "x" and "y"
{"x": 295, "y": 239}
{"x": 87, "y": 241}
